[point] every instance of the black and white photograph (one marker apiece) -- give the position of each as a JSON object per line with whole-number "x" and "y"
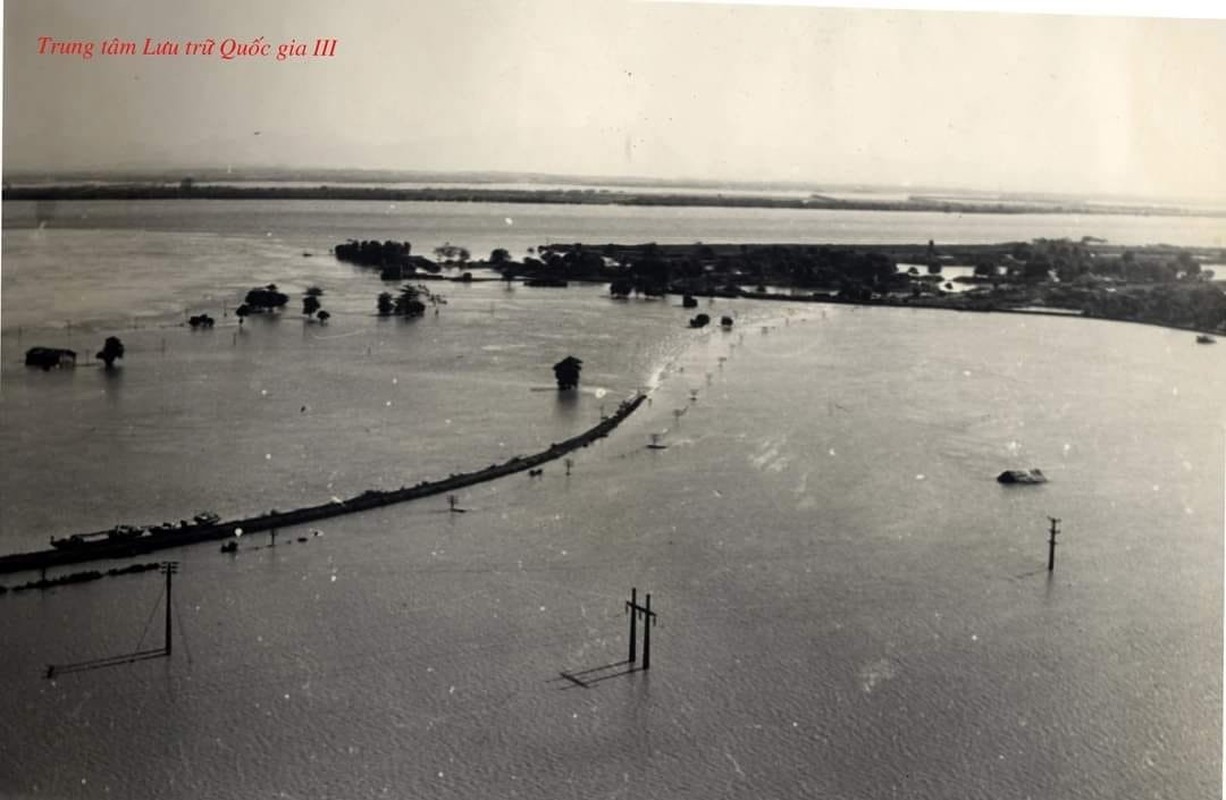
{"x": 639, "y": 399}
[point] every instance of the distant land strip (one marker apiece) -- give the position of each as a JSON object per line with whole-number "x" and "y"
{"x": 206, "y": 191}
{"x": 98, "y": 545}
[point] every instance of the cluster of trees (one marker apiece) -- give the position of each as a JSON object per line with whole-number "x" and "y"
{"x": 654, "y": 270}
{"x": 449, "y": 253}
{"x": 311, "y": 305}
{"x": 394, "y": 260}
{"x": 553, "y": 268}
{"x": 410, "y": 302}
{"x": 1183, "y": 304}
{"x": 260, "y": 300}
{"x": 1086, "y": 261}
{"x": 373, "y": 253}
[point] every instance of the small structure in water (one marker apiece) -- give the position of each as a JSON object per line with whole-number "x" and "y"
{"x": 48, "y": 357}
{"x": 1021, "y": 476}
{"x": 725, "y": 322}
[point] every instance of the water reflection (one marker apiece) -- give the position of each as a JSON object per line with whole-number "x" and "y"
{"x": 566, "y": 404}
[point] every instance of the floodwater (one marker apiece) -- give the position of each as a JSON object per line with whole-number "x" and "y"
{"x": 849, "y": 606}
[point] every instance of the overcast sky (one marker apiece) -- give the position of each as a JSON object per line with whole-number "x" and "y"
{"x": 603, "y": 87}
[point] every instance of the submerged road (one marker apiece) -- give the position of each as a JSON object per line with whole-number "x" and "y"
{"x": 98, "y": 546}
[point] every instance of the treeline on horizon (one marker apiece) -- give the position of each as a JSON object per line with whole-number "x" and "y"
{"x": 189, "y": 189}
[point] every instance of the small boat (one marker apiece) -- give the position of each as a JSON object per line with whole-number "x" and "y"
{"x": 1024, "y": 476}
{"x": 1205, "y": 338}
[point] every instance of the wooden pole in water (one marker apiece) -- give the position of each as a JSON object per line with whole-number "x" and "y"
{"x": 633, "y": 608}
{"x": 648, "y": 619}
{"x": 1051, "y": 544}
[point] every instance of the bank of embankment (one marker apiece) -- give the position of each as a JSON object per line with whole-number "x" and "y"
{"x": 97, "y": 546}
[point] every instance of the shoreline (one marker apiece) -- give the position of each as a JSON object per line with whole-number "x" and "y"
{"x": 152, "y": 539}
{"x": 940, "y": 305}
{"x": 594, "y": 196}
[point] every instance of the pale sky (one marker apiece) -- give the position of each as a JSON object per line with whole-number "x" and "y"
{"x": 1082, "y": 104}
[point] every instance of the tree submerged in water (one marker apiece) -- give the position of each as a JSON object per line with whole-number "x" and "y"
{"x": 312, "y": 307}
{"x": 567, "y": 373}
{"x": 111, "y": 350}
{"x": 266, "y": 298}
{"x": 411, "y": 302}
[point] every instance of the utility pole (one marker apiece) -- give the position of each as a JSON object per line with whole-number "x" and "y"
{"x": 649, "y": 620}
{"x": 169, "y": 568}
{"x": 1051, "y": 544}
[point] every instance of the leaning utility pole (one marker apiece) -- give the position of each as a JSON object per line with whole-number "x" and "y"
{"x": 169, "y": 568}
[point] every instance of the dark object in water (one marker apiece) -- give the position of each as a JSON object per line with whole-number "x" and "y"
{"x": 725, "y": 322}
{"x": 700, "y": 321}
{"x": 1203, "y": 338}
{"x": 230, "y": 547}
{"x": 1021, "y": 476}
{"x": 48, "y": 357}
{"x": 689, "y": 301}
{"x": 566, "y": 372}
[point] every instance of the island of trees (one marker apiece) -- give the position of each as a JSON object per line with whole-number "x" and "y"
{"x": 1158, "y": 284}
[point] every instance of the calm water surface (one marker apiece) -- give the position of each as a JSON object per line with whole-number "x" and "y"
{"x": 850, "y": 606}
